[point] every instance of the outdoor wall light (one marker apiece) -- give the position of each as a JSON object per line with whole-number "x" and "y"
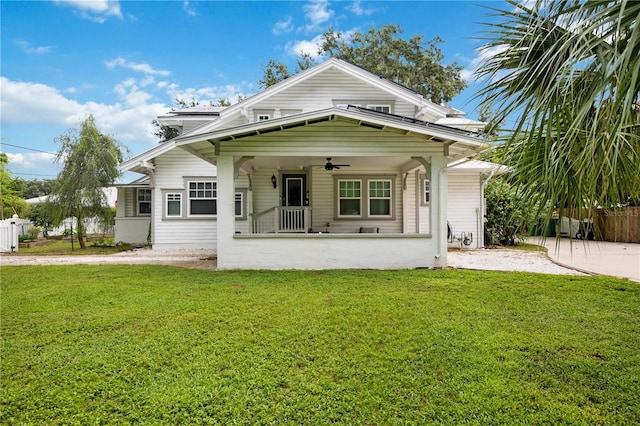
{"x": 274, "y": 181}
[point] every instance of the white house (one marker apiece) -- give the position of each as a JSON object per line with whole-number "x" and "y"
{"x": 334, "y": 167}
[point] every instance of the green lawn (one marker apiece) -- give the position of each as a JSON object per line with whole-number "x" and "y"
{"x": 65, "y": 248}
{"x": 161, "y": 345}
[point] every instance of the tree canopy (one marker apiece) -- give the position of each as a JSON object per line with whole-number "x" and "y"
{"x": 10, "y": 188}
{"x": 413, "y": 62}
{"x": 567, "y": 75}
{"x": 91, "y": 162}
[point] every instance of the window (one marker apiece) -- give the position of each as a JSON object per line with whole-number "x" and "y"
{"x": 239, "y": 204}
{"x": 174, "y": 205}
{"x": 144, "y": 202}
{"x": 263, "y": 117}
{"x": 364, "y": 197}
{"x": 426, "y": 191}
{"x": 380, "y": 108}
{"x": 349, "y": 198}
{"x": 380, "y": 198}
{"x": 202, "y": 198}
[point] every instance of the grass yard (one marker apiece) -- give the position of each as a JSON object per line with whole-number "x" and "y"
{"x": 64, "y": 247}
{"x": 160, "y": 345}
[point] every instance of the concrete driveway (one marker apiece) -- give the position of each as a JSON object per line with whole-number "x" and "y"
{"x": 600, "y": 257}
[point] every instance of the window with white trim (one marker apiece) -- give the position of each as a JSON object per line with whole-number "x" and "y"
{"x": 364, "y": 197}
{"x": 239, "y": 204}
{"x": 202, "y": 197}
{"x": 174, "y": 204}
{"x": 144, "y": 202}
{"x": 263, "y": 117}
{"x": 379, "y": 198}
{"x": 349, "y": 198}
{"x": 380, "y": 108}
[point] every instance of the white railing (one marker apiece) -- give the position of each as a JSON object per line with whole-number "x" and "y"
{"x": 282, "y": 219}
{"x": 9, "y": 234}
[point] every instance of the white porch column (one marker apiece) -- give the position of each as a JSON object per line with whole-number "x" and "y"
{"x": 439, "y": 208}
{"x": 225, "y": 208}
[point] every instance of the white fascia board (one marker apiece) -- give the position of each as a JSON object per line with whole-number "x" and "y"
{"x": 470, "y": 164}
{"x": 146, "y": 156}
{"x": 453, "y": 135}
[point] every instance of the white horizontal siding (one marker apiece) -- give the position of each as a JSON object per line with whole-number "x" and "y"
{"x": 464, "y": 204}
{"x": 337, "y": 138}
{"x": 321, "y": 91}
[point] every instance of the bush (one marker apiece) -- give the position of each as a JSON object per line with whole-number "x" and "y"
{"x": 34, "y": 231}
{"x": 507, "y": 213}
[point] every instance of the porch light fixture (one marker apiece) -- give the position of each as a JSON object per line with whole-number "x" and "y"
{"x": 274, "y": 182}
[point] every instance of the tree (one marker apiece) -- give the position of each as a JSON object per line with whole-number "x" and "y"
{"x": 42, "y": 215}
{"x": 414, "y": 62}
{"x": 10, "y": 201}
{"x": 91, "y": 162}
{"x": 33, "y": 188}
{"x": 567, "y": 74}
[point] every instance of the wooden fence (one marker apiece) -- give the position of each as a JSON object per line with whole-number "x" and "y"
{"x": 619, "y": 225}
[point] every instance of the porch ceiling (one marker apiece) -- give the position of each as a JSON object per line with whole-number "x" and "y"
{"x": 308, "y": 139}
{"x": 355, "y": 163}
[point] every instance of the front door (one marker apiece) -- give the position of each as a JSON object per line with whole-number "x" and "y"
{"x": 294, "y": 198}
{"x": 294, "y": 191}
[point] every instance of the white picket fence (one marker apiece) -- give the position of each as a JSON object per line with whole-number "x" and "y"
{"x": 9, "y": 231}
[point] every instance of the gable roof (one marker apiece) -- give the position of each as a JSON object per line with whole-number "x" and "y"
{"x": 395, "y": 89}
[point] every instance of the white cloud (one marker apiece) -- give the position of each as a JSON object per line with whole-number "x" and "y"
{"x": 317, "y": 12}
{"x": 482, "y": 54}
{"x": 188, "y": 8}
{"x": 33, "y": 50}
{"x": 138, "y": 67}
{"x": 31, "y": 159}
{"x": 357, "y": 9}
{"x": 310, "y": 47}
{"x": 283, "y": 26}
{"x": 38, "y": 104}
{"x": 94, "y": 10}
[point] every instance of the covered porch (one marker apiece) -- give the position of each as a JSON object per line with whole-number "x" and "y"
{"x": 332, "y": 189}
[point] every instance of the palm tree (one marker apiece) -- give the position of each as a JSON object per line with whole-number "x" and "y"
{"x": 567, "y": 74}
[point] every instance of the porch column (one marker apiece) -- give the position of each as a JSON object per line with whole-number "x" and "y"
{"x": 225, "y": 208}
{"x": 438, "y": 207}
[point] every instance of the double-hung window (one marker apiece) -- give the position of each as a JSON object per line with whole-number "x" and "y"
{"x": 174, "y": 204}
{"x": 202, "y": 198}
{"x": 144, "y": 202}
{"x": 379, "y": 198}
{"x": 349, "y": 198}
{"x": 364, "y": 197}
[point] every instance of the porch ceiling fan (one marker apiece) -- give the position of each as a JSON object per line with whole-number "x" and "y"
{"x": 330, "y": 166}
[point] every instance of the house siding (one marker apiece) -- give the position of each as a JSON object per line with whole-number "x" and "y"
{"x": 175, "y": 233}
{"x": 464, "y": 203}
{"x": 329, "y": 89}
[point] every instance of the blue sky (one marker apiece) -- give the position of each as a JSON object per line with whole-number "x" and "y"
{"x": 126, "y": 61}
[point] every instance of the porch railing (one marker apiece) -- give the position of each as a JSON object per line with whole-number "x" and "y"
{"x": 282, "y": 219}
